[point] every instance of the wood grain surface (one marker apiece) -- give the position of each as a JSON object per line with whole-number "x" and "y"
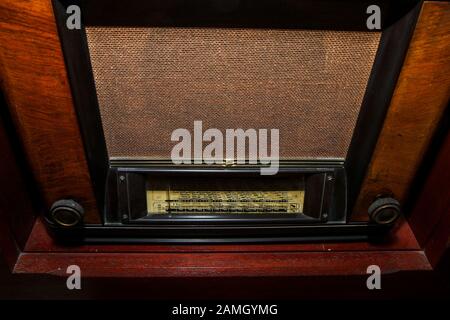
{"x": 265, "y": 264}
{"x": 34, "y": 79}
{"x": 420, "y": 97}
{"x": 16, "y": 211}
{"x": 430, "y": 218}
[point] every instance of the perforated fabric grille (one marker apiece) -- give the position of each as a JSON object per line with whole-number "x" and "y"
{"x": 308, "y": 84}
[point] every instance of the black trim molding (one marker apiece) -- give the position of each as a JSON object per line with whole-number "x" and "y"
{"x": 385, "y": 71}
{"x": 84, "y": 96}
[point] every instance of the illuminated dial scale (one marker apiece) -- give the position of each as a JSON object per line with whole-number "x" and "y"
{"x": 224, "y": 201}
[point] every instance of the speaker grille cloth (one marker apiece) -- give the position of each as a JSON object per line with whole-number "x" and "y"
{"x": 308, "y": 84}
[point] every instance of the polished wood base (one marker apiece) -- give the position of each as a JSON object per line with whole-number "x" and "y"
{"x": 400, "y": 252}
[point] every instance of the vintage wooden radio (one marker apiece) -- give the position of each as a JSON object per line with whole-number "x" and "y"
{"x": 355, "y": 92}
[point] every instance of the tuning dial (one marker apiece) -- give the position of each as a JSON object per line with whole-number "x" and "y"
{"x": 384, "y": 210}
{"x": 66, "y": 213}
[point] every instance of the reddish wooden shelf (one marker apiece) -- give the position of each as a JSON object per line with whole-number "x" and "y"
{"x": 400, "y": 252}
{"x": 231, "y": 264}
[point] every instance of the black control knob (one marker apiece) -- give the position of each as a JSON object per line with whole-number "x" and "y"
{"x": 384, "y": 210}
{"x": 66, "y": 213}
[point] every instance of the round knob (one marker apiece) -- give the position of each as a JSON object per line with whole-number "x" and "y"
{"x": 384, "y": 210}
{"x": 66, "y": 212}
